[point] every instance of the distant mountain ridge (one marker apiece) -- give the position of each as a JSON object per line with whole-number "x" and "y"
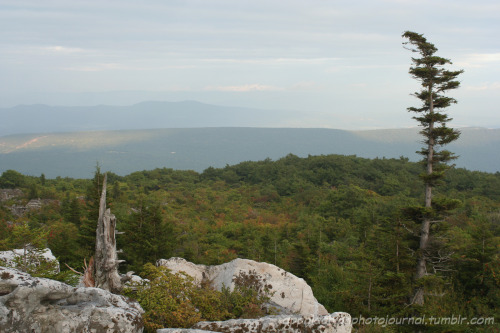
{"x": 76, "y": 154}
{"x": 23, "y": 119}
{"x": 69, "y": 141}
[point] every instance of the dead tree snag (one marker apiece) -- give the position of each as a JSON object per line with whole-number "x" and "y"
{"x": 106, "y": 261}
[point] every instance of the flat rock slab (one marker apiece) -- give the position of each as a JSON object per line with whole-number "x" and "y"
{"x": 37, "y": 305}
{"x": 338, "y": 322}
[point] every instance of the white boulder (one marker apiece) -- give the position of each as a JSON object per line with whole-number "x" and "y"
{"x": 291, "y": 293}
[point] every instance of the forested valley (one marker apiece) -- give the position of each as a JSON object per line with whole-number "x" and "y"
{"x": 349, "y": 226}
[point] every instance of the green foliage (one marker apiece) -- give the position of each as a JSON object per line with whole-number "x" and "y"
{"x": 31, "y": 242}
{"x": 347, "y": 225}
{"x": 22, "y": 236}
{"x": 88, "y": 225}
{"x": 62, "y": 239}
{"x": 167, "y": 299}
{"x": 12, "y": 179}
{"x": 250, "y": 295}
{"x": 435, "y": 81}
{"x": 148, "y": 236}
{"x": 174, "y": 300}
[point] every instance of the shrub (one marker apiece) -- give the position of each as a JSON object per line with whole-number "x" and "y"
{"x": 175, "y": 300}
{"x": 250, "y": 295}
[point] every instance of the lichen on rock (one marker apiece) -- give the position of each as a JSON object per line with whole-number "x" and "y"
{"x": 29, "y": 304}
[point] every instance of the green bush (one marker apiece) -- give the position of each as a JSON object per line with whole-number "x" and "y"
{"x": 249, "y": 297}
{"x": 175, "y": 300}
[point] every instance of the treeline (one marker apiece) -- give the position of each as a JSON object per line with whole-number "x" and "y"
{"x": 347, "y": 225}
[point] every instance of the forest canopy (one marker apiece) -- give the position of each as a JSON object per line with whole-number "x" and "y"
{"x": 343, "y": 223}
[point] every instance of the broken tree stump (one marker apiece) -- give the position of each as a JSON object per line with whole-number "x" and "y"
{"x": 106, "y": 261}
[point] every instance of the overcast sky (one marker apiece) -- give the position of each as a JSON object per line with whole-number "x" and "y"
{"x": 342, "y": 62}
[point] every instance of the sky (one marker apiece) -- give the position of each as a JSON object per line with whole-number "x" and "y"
{"x": 340, "y": 62}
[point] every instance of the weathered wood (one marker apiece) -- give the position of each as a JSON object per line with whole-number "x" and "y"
{"x": 88, "y": 273}
{"x": 88, "y": 277}
{"x": 106, "y": 261}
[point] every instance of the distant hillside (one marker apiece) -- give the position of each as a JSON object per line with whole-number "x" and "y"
{"x": 76, "y": 154}
{"x": 24, "y": 119}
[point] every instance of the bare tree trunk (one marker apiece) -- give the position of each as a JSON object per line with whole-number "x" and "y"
{"x": 421, "y": 270}
{"x": 106, "y": 258}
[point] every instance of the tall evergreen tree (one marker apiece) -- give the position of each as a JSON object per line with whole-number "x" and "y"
{"x": 435, "y": 80}
{"x": 87, "y": 227}
{"x": 148, "y": 236}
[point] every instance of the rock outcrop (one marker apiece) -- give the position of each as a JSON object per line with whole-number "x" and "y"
{"x": 29, "y": 304}
{"x": 32, "y": 257}
{"x": 8, "y": 194}
{"x": 338, "y": 322}
{"x": 32, "y": 205}
{"x": 292, "y": 295}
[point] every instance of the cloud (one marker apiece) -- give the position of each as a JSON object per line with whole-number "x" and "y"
{"x": 347, "y": 67}
{"x": 43, "y": 50}
{"x": 358, "y": 85}
{"x": 271, "y": 61}
{"x": 485, "y": 87}
{"x": 306, "y": 85}
{"x": 479, "y": 59}
{"x": 244, "y": 88}
{"x": 62, "y": 49}
{"x": 95, "y": 68}
{"x": 134, "y": 66}
{"x": 365, "y": 37}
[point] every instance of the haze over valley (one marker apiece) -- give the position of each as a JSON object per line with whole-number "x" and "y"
{"x": 70, "y": 141}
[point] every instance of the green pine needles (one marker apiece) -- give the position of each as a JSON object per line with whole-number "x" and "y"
{"x": 435, "y": 80}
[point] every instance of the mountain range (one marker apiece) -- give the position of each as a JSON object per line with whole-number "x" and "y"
{"x": 69, "y": 142}
{"x": 41, "y": 118}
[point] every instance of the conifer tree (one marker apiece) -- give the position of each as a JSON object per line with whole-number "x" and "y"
{"x": 148, "y": 236}
{"x": 87, "y": 227}
{"x": 435, "y": 81}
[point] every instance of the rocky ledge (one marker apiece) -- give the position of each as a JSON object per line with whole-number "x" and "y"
{"x": 29, "y": 304}
{"x": 338, "y": 322}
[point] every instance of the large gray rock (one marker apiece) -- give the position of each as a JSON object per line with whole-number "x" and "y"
{"x": 338, "y": 322}
{"x": 37, "y": 305}
{"x": 291, "y": 293}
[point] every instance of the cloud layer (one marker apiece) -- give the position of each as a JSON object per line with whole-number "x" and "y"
{"x": 342, "y": 57}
